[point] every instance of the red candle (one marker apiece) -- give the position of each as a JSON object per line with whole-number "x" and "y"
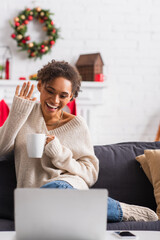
{"x": 7, "y": 69}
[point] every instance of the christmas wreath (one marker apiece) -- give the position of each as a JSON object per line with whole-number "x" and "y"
{"x": 35, "y": 50}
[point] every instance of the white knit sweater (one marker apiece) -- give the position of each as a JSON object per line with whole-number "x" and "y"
{"x": 69, "y": 157}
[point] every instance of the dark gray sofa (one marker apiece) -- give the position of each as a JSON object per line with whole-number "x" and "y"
{"x": 119, "y": 172}
{"x": 125, "y": 180}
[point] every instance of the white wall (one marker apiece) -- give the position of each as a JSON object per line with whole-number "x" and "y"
{"x": 127, "y": 34}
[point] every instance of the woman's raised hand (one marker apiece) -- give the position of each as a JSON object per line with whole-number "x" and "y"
{"x": 25, "y": 92}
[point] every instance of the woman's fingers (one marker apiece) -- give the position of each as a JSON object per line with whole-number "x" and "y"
{"x": 22, "y": 90}
{"x": 26, "y": 91}
{"x": 30, "y": 92}
{"x": 27, "y": 88}
{"x": 49, "y": 138}
{"x": 33, "y": 99}
{"x": 17, "y": 90}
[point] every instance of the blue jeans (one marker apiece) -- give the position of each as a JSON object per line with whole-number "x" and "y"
{"x": 114, "y": 212}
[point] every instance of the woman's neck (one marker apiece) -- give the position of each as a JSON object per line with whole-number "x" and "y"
{"x": 49, "y": 120}
{"x": 55, "y": 122}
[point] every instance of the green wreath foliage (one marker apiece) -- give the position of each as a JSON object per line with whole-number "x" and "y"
{"x": 35, "y": 50}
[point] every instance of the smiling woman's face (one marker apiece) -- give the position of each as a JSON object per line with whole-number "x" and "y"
{"x": 54, "y": 95}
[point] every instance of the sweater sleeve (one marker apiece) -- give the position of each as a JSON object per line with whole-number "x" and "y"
{"x": 19, "y": 113}
{"x": 86, "y": 166}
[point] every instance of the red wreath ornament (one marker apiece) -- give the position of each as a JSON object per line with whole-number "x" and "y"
{"x": 35, "y": 50}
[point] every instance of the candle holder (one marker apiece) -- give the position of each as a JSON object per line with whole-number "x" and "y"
{"x": 5, "y": 62}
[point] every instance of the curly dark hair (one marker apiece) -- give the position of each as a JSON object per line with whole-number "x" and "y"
{"x": 55, "y": 69}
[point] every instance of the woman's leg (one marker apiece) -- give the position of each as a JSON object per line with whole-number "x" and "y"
{"x": 118, "y": 211}
{"x": 114, "y": 212}
{"x": 58, "y": 184}
{"x": 137, "y": 213}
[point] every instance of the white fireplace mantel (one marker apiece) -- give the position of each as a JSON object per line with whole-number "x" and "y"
{"x": 91, "y": 96}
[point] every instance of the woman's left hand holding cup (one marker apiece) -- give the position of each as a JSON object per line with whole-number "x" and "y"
{"x": 49, "y": 138}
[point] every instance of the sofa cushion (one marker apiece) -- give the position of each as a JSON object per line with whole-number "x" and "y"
{"x": 143, "y": 161}
{"x": 7, "y": 186}
{"x": 122, "y": 175}
{"x": 152, "y": 161}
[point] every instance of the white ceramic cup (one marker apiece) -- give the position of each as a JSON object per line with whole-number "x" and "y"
{"x": 35, "y": 144}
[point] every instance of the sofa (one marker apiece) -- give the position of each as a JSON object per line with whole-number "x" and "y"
{"x": 120, "y": 173}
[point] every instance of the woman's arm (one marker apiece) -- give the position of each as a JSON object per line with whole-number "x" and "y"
{"x": 86, "y": 166}
{"x": 21, "y": 107}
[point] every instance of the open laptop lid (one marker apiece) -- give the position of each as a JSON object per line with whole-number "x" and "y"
{"x": 45, "y": 214}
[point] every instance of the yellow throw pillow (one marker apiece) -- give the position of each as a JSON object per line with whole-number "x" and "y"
{"x": 144, "y": 164}
{"x": 153, "y": 160}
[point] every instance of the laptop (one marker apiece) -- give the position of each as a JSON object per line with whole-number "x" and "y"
{"x": 60, "y": 214}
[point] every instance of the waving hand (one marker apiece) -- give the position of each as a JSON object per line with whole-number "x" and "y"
{"x": 26, "y": 91}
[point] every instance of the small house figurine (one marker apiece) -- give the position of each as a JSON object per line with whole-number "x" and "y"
{"x": 89, "y": 65}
